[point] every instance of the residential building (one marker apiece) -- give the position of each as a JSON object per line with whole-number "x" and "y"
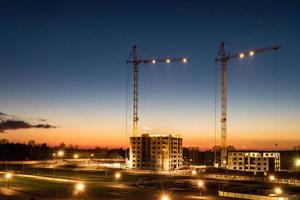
{"x": 155, "y": 152}
{"x": 254, "y": 161}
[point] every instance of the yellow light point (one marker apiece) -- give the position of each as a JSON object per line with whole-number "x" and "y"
{"x": 8, "y": 175}
{"x": 168, "y": 60}
{"x": 298, "y": 162}
{"x": 278, "y": 190}
{"x": 184, "y": 60}
{"x": 118, "y": 175}
{"x": 92, "y": 155}
{"x": 242, "y": 55}
{"x": 200, "y": 183}
{"x": 272, "y": 178}
{"x": 194, "y": 172}
{"x": 164, "y": 197}
{"x": 75, "y": 156}
{"x": 153, "y": 61}
{"x": 54, "y": 154}
{"x": 60, "y": 153}
{"x": 251, "y": 53}
{"x": 79, "y": 187}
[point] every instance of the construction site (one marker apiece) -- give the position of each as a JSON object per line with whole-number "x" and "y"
{"x": 152, "y": 100}
{"x": 144, "y": 153}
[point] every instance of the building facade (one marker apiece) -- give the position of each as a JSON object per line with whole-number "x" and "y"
{"x": 254, "y": 161}
{"x": 155, "y": 152}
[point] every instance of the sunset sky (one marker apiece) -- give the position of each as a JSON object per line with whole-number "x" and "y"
{"x": 65, "y": 62}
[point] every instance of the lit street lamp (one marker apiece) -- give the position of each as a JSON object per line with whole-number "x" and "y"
{"x": 194, "y": 172}
{"x": 60, "y": 153}
{"x": 200, "y": 185}
{"x": 278, "y": 191}
{"x": 75, "y": 156}
{"x": 79, "y": 189}
{"x": 8, "y": 176}
{"x": 118, "y": 175}
{"x": 164, "y": 197}
{"x": 272, "y": 178}
{"x": 297, "y": 163}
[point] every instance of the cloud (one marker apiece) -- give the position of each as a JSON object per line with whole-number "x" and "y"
{"x": 3, "y": 114}
{"x": 20, "y": 124}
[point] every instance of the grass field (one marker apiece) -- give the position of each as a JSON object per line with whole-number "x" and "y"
{"x": 59, "y": 183}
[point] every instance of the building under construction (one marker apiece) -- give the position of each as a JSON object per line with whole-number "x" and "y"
{"x": 155, "y": 152}
{"x": 152, "y": 152}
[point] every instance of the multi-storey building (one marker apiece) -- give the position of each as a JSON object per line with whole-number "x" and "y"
{"x": 254, "y": 161}
{"x": 155, "y": 152}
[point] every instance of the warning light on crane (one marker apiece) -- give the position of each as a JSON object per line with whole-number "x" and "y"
{"x": 242, "y": 55}
{"x": 251, "y": 53}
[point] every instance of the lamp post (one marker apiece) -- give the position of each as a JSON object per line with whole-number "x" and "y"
{"x": 8, "y": 176}
{"x": 59, "y": 154}
{"x": 278, "y": 191}
{"x": 200, "y": 186}
{"x": 118, "y": 175}
{"x": 79, "y": 189}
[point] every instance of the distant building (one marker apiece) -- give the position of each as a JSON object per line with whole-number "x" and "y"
{"x": 254, "y": 161}
{"x": 155, "y": 152}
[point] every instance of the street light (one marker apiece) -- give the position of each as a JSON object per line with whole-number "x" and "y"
{"x": 278, "y": 190}
{"x": 75, "y": 156}
{"x": 79, "y": 189}
{"x": 194, "y": 172}
{"x": 272, "y": 178}
{"x": 297, "y": 162}
{"x": 164, "y": 197}
{"x": 200, "y": 185}
{"x": 8, "y": 176}
{"x": 60, "y": 153}
{"x": 118, "y": 175}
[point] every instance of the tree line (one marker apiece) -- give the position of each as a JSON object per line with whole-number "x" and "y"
{"x": 31, "y": 151}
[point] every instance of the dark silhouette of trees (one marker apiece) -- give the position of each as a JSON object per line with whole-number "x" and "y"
{"x": 33, "y": 151}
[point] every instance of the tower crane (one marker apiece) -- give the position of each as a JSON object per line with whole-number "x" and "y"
{"x": 223, "y": 58}
{"x": 133, "y": 59}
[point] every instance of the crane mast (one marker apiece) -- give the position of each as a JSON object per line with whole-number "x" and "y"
{"x": 133, "y": 59}
{"x": 224, "y": 93}
{"x": 224, "y": 87}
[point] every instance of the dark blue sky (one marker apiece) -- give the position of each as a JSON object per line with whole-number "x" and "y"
{"x": 66, "y": 61}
